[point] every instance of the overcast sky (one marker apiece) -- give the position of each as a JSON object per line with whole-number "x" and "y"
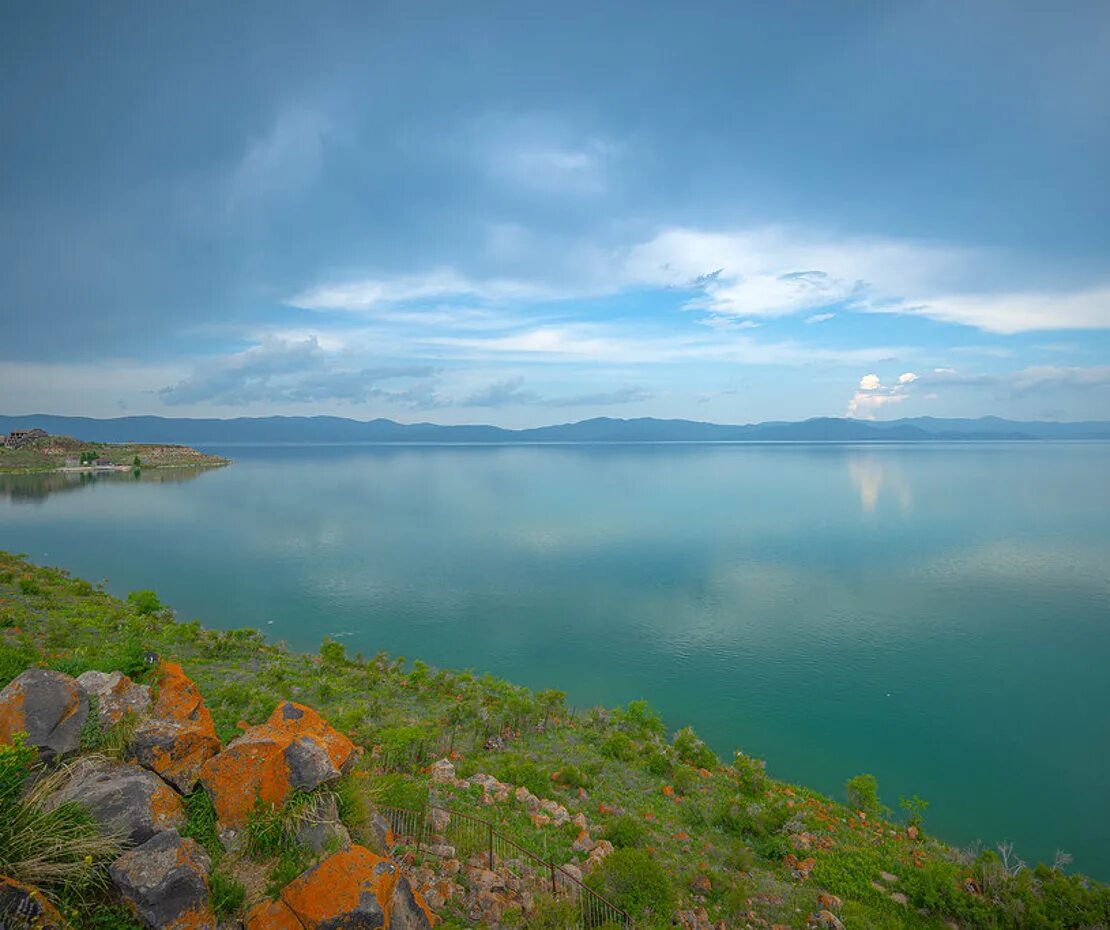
{"x": 522, "y": 213}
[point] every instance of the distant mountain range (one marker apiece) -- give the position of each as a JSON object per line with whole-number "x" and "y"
{"x": 599, "y": 429}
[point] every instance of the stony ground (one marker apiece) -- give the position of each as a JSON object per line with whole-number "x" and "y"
{"x": 651, "y": 819}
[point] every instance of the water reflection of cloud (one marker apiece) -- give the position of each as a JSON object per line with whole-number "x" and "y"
{"x": 871, "y": 473}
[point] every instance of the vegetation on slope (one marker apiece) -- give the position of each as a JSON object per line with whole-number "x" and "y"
{"x": 690, "y": 831}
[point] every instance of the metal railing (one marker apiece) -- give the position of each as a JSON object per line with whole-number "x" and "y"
{"x": 464, "y": 836}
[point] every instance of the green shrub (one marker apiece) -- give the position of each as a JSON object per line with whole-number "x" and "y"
{"x": 29, "y": 586}
{"x": 690, "y": 749}
{"x": 626, "y": 832}
{"x": 144, "y": 602}
{"x": 751, "y": 773}
{"x": 915, "y": 810}
{"x": 332, "y": 652}
{"x": 516, "y": 771}
{"x": 862, "y": 792}
{"x": 619, "y": 746}
{"x": 226, "y": 894}
{"x": 640, "y": 720}
{"x": 636, "y": 883}
{"x": 571, "y": 776}
{"x": 550, "y": 913}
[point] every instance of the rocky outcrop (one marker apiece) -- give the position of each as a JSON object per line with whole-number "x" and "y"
{"x": 164, "y": 883}
{"x": 179, "y": 736}
{"x": 352, "y": 888}
{"x": 49, "y": 707}
{"x": 123, "y": 799}
{"x": 294, "y": 749}
{"x": 22, "y": 905}
{"x": 116, "y": 695}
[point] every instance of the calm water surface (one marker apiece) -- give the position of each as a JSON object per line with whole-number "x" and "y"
{"x": 937, "y": 615}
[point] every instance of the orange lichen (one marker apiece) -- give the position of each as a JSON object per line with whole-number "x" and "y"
{"x": 165, "y": 806}
{"x": 273, "y": 915}
{"x": 337, "y": 885}
{"x": 255, "y": 765}
{"x": 12, "y": 718}
{"x": 284, "y": 721}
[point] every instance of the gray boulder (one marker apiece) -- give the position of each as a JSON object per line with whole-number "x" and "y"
{"x": 164, "y": 883}
{"x": 309, "y": 765}
{"x": 407, "y": 914}
{"x": 321, "y": 829}
{"x": 116, "y": 695}
{"x": 49, "y": 707}
{"x": 123, "y": 799}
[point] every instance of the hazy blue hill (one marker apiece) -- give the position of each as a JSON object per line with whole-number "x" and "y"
{"x": 324, "y": 429}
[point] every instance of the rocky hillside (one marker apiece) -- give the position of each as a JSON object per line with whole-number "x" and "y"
{"x": 54, "y": 452}
{"x": 172, "y": 776}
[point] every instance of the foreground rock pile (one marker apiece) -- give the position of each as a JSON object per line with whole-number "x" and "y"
{"x": 163, "y": 876}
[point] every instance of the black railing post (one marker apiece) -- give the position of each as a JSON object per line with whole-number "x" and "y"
{"x": 554, "y": 890}
{"x": 490, "y": 828}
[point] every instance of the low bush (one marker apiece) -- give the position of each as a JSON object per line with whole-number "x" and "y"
{"x": 626, "y": 832}
{"x": 690, "y": 749}
{"x": 633, "y": 881}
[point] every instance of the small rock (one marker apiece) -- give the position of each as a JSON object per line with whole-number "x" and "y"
{"x": 383, "y": 832}
{"x": 30, "y": 904}
{"x": 122, "y": 799}
{"x": 701, "y": 885}
{"x": 829, "y": 902}
{"x": 164, "y": 882}
{"x": 117, "y": 696}
{"x": 887, "y": 877}
{"x": 898, "y": 898}
{"x": 826, "y": 919}
{"x": 49, "y": 707}
{"x": 443, "y": 772}
{"x": 409, "y": 910}
{"x": 440, "y": 819}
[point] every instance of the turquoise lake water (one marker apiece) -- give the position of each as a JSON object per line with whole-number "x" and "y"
{"x": 938, "y": 615}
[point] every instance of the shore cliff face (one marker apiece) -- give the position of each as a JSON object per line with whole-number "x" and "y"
{"x": 157, "y": 774}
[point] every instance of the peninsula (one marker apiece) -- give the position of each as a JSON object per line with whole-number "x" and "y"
{"x": 34, "y": 451}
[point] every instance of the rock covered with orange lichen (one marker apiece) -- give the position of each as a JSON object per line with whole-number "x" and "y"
{"x": 179, "y": 736}
{"x": 49, "y": 707}
{"x": 164, "y": 883}
{"x": 30, "y": 904}
{"x": 123, "y": 799}
{"x": 294, "y": 749}
{"x": 352, "y": 888}
{"x": 116, "y": 695}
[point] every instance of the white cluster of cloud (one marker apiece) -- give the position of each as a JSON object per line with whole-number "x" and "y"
{"x": 749, "y": 275}
{"x": 872, "y": 395}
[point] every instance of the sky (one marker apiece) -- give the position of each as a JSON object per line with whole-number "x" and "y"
{"x": 524, "y": 214}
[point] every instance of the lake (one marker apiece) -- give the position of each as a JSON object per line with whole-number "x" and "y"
{"x": 938, "y": 615}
